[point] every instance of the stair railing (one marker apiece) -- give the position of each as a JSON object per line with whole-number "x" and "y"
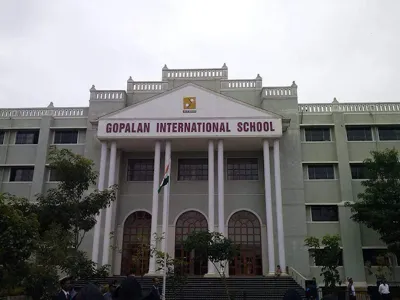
{"x": 298, "y": 277}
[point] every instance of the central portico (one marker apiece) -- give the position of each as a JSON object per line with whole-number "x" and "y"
{"x": 192, "y": 118}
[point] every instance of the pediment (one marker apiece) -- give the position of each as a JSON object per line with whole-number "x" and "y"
{"x": 190, "y": 101}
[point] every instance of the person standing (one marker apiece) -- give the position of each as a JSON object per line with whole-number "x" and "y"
{"x": 155, "y": 293}
{"x": 384, "y": 290}
{"x": 66, "y": 287}
{"x": 351, "y": 290}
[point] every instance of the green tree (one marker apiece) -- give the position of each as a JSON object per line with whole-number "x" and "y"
{"x": 19, "y": 239}
{"x": 43, "y": 237}
{"x": 140, "y": 254}
{"x": 214, "y": 247}
{"x": 382, "y": 270}
{"x": 175, "y": 278}
{"x": 70, "y": 204}
{"x": 379, "y": 205}
{"x": 326, "y": 253}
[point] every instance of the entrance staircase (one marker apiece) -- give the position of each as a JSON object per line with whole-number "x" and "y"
{"x": 241, "y": 288}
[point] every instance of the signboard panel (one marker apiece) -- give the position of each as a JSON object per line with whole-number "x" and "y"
{"x": 190, "y": 128}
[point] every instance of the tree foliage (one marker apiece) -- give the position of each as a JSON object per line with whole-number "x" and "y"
{"x": 70, "y": 205}
{"x": 326, "y": 253}
{"x": 18, "y": 237}
{"x": 382, "y": 270}
{"x": 379, "y": 205}
{"x": 140, "y": 252}
{"x": 175, "y": 278}
{"x": 214, "y": 247}
{"x": 43, "y": 237}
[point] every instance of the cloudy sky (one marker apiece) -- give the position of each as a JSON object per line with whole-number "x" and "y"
{"x": 55, "y": 50}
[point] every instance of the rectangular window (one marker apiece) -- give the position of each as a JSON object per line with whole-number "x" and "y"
{"x": 21, "y": 173}
{"x": 318, "y": 134}
{"x": 193, "y": 169}
{"x": 140, "y": 170}
{"x": 27, "y": 137}
{"x": 321, "y": 172}
{"x": 318, "y": 262}
{"x": 242, "y": 168}
{"x": 53, "y": 176}
{"x": 358, "y": 171}
{"x": 359, "y": 133}
{"x": 373, "y": 257}
{"x": 324, "y": 213}
{"x": 66, "y": 137}
{"x": 389, "y": 133}
{"x": 2, "y": 135}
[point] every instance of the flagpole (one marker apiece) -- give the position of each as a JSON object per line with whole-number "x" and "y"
{"x": 165, "y": 248}
{"x": 166, "y": 213}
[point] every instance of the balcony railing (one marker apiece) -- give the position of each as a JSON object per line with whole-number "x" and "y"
{"x": 66, "y": 112}
{"x": 349, "y": 107}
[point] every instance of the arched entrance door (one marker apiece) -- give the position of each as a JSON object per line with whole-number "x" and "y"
{"x": 187, "y": 223}
{"x": 136, "y": 244}
{"x": 244, "y": 229}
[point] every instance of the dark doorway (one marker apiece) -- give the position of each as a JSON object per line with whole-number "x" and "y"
{"x": 187, "y": 223}
{"x": 244, "y": 229}
{"x": 136, "y": 244}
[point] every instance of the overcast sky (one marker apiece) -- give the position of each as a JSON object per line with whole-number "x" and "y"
{"x": 55, "y": 50}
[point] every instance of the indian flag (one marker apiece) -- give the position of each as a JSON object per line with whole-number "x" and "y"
{"x": 165, "y": 179}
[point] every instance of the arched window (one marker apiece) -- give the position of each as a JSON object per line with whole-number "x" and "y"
{"x": 136, "y": 244}
{"x": 187, "y": 223}
{"x": 244, "y": 229}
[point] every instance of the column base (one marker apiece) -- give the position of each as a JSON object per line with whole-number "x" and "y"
{"x": 211, "y": 275}
{"x": 151, "y": 274}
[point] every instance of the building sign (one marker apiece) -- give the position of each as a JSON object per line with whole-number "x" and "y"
{"x": 189, "y": 128}
{"x": 189, "y": 104}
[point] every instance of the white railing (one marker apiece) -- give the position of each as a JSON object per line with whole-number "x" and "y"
{"x": 296, "y": 275}
{"x": 279, "y": 91}
{"x": 41, "y": 112}
{"x": 349, "y": 107}
{"x": 239, "y": 84}
{"x": 194, "y": 73}
{"x": 108, "y": 95}
{"x": 149, "y": 86}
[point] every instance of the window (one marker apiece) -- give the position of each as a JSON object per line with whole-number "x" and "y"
{"x": 317, "y": 134}
{"x": 27, "y": 137}
{"x": 358, "y": 171}
{"x": 317, "y": 261}
{"x": 242, "y": 168}
{"x": 21, "y": 173}
{"x": 193, "y": 169}
{"x": 359, "y": 133}
{"x": 321, "y": 172}
{"x": 53, "y": 176}
{"x": 324, "y": 213}
{"x": 376, "y": 257}
{"x": 2, "y": 135}
{"x": 140, "y": 170}
{"x": 66, "y": 137}
{"x": 389, "y": 133}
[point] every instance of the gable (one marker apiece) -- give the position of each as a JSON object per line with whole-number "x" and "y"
{"x": 190, "y": 102}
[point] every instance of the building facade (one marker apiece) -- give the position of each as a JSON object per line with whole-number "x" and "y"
{"x": 244, "y": 160}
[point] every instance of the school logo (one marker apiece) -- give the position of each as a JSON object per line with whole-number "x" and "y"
{"x": 189, "y": 104}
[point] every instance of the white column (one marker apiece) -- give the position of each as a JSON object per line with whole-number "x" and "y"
{"x": 221, "y": 204}
{"x": 268, "y": 208}
{"x": 211, "y": 197}
{"x": 111, "y": 182}
{"x": 154, "y": 209}
{"x": 278, "y": 199}
{"x": 164, "y": 242}
{"x": 100, "y": 186}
